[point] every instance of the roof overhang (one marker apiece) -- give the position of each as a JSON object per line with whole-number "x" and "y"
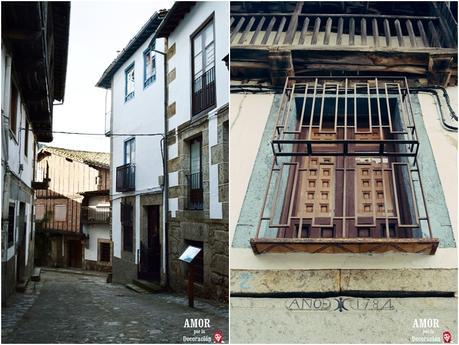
{"x": 174, "y": 17}
{"x": 37, "y": 34}
{"x": 146, "y": 31}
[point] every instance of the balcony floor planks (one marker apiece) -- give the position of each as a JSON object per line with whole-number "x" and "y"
{"x": 344, "y": 245}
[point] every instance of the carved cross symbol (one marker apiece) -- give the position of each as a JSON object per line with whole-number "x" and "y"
{"x": 340, "y": 306}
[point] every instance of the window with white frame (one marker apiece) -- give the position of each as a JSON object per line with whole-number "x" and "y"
{"x": 129, "y": 151}
{"x": 129, "y": 83}
{"x": 149, "y": 60}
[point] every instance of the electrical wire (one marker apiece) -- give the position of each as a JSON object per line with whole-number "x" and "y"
{"x": 433, "y": 92}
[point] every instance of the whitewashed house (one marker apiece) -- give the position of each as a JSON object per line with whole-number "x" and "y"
{"x": 33, "y": 73}
{"x": 95, "y": 226}
{"x": 197, "y": 43}
{"x": 136, "y": 126}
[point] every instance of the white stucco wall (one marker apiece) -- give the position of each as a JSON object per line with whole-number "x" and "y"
{"x": 444, "y": 147}
{"x": 116, "y": 227}
{"x": 180, "y": 90}
{"x": 20, "y": 165}
{"x": 246, "y": 132}
{"x": 142, "y": 114}
{"x": 96, "y": 232}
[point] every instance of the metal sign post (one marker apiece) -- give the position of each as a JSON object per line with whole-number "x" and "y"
{"x": 188, "y": 256}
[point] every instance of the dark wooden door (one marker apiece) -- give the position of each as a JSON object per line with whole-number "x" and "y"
{"x": 74, "y": 253}
{"x": 150, "y": 248}
{"x": 21, "y": 262}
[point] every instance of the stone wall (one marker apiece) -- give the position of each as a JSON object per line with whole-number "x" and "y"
{"x": 8, "y": 278}
{"x": 92, "y": 265}
{"x": 124, "y": 271}
{"x": 196, "y": 225}
{"x": 214, "y": 235}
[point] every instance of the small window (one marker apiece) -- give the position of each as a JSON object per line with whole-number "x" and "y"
{"x": 11, "y": 221}
{"x": 129, "y": 151}
{"x": 149, "y": 60}
{"x": 13, "y": 108}
{"x": 195, "y": 190}
{"x": 26, "y": 138}
{"x": 130, "y": 83}
{"x": 105, "y": 252}
{"x": 39, "y": 212}
{"x": 127, "y": 225}
{"x": 60, "y": 213}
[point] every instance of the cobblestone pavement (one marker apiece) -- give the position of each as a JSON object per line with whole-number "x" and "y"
{"x": 71, "y": 308}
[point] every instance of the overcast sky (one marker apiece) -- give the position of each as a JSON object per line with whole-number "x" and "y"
{"x": 98, "y": 29}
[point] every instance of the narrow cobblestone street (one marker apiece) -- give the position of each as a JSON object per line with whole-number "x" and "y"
{"x": 75, "y": 308}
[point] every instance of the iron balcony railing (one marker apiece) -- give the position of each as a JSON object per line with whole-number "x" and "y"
{"x": 204, "y": 92}
{"x": 195, "y": 191}
{"x": 344, "y": 176}
{"x": 125, "y": 178}
{"x": 95, "y": 215}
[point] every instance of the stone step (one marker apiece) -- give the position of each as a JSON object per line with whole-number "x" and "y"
{"x": 136, "y": 288}
{"x": 149, "y": 286}
{"x": 21, "y": 286}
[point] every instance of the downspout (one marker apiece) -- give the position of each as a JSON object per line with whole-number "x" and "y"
{"x": 166, "y": 170}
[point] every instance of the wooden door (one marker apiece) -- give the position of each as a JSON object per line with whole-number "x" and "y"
{"x": 150, "y": 249}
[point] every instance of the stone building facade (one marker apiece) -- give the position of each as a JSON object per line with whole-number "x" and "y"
{"x": 135, "y": 82}
{"x": 197, "y": 141}
{"x": 33, "y": 73}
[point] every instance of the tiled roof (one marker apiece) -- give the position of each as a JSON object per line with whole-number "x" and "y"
{"x": 98, "y": 159}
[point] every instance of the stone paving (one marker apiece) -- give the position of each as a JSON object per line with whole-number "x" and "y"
{"x": 71, "y": 308}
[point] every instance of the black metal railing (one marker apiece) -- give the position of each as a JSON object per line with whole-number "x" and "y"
{"x": 204, "y": 91}
{"x": 125, "y": 178}
{"x": 195, "y": 191}
{"x": 95, "y": 215}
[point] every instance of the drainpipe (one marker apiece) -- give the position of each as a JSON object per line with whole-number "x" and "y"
{"x": 165, "y": 169}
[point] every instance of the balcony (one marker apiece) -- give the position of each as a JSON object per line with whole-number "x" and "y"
{"x": 125, "y": 178}
{"x": 204, "y": 92}
{"x": 272, "y": 40}
{"x": 95, "y": 215}
{"x": 195, "y": 191}
{"x": 41, "y": 181}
